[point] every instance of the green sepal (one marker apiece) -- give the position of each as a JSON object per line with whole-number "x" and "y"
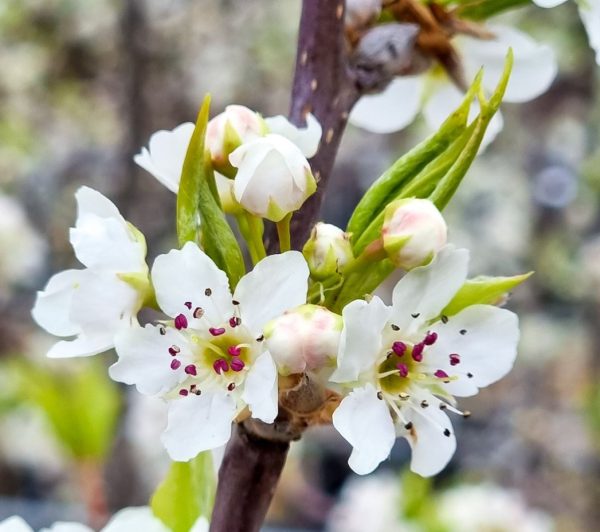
{"x": 389, "y": 185}
{"x": 198, "y": 205}
{"x": 187, "y": 493}
{"x": 140, "y": 282}
{"x": 231, "y": 141}
{"x": 483, "y": 291}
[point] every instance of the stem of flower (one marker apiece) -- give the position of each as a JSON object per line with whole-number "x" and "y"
{"x": 283, "y": 233}
{"x": 257, "y": 230}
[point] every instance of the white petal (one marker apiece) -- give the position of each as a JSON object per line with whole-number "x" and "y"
{"x": 487, "y": 349}
{"x": 198, "y": 423}
{"x": 277, "y": 283}
{"x": 431, "y": 448}
{"x": 135, "y": 519}
{"x": 548, "y": 3}
{"x": 260, "y": 389}
{"x": 534, "y": 66}
{"x": 365, "y": 422}
{"x": 82, "y": 346}
{"x": 589, "y": 11}
{"x": 201, "y": 525}
{"x": 189, "y": 274}
{"x": 52, "y": 305}
{"x": 90, "y": 201}
{"x": 360, "y": 341}
{"x": 307, "y": 139}
{"x": 144, "y": 359}
{"x": 167, "y": 153}
{"x": 445, "y": 100}
{"x": 423, "y": 292}
{"x": 393, "y": 109}
{"x": 64, "y": 526}
{"x": 15, "y": 524}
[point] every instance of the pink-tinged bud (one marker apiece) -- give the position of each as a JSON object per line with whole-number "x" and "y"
{"x": 327, "y": 250}
{"x": 230, "y": 129}
{"x": 304, "y": 339}
{"x": 413, "y": 232}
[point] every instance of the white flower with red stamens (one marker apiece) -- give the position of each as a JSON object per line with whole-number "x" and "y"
{"x": 405, "y": 363}
{"x": 94, "y": 303}
{"x": 210, "y": 361}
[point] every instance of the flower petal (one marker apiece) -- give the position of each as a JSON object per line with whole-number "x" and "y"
{"x": 201, "y": 525}
{"x": 364, "y": 421}
{"x": 589, "y": 11}
{"x": 188, "y": 274}
{"x": 360, "y": 341}
{"x": 423, "y": 292}
{"x": 65, "y": 526}
{"x": 391, "y": 110}
{"x": 432, "y": 449}
{"x": 132, "y": 519}
{"x": 277, "y": 283}
{"x": 548, "y": 3}
{"x": 144, "y": 359}
{"x": 15, "y": 524}
{"x": 485, "y": 338}
{"x": 534, "y": 67}
{"x": 53, "y": 304}
{"x": 90, "y": 201}
{"x": 260, "y": 389}
{"x": 198, "y": 423}
{"x": 307, "y": 138}
{"x": 82, "y": 346}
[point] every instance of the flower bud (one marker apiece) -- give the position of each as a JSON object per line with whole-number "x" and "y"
{"x": 360, "y": 13}
{"x": 228, "y": 130}
{"x": 304, "y": 339}
{"x": 413, "y": 232}
{"x": 327, "y": 250}
{"x": 273, "y": 177}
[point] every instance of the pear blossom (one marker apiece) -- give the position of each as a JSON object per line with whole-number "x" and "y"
{"x": 209, "y": 361}
{"x": 436, "y": 96}
{"x": 405, "y": 363}
{"x": 126, "y": 520}
{"x": 273, "y": 177}
{"x": 92, "y": 304}
{"x": 413, "y": 232}
{"x": 589, "y": 12}
{"x": 304, "y": 339}
{"x": 327, "y": 250}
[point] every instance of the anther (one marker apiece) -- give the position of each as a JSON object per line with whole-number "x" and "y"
{"x": 173, "y": 350}
{"x": 198, "y": 312}
{"x": 466, "y": 414}
{"x": 208, "y": 292}
{"x": 233, "y": 321}
{"x": 463, "y": 331}
{"x": 237, "y": 364}
{"x": 183, "y": 392}
{"x": 162, "y": 330}
{"x": 454, "y": 359}
{"x": 175, "y": 364}
{"x": 234, "y": 350}
{"x": 402, "y": 369}
{"x": 417, "y": 352}
{"x": 399, "y": 348}
{"x": 217, "y": 331}
{"x": 443, "y": 406}
{"x": 379, "y": 396}
{"x": 447, "y": 432}
{"x": 470, "y": 375}
{"x": 430, "y": 338}
{"x": 231, "y": 386}
{"x": 220, "y": 366}
{"x": 441, "y": 374}
{"x": 234, "y": 302}
{"x": 395, "y": 327}
{"x": 188, "y": 304}
{"x": 260, "y": 338}
{"x": 416, "y": 315}
{"x": 444, "y": 318}
{"x": 409, "y": 425}
{"x": 190, "y": 369}
{"x": 424, "y": 404}
{"x": 180, "y": 322}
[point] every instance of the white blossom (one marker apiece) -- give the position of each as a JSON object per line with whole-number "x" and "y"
{"x": 209, "y": 361}
{"x": 94, "y": 303}
{"x": 405, "y": 363}
{"x": 434, "y": 93}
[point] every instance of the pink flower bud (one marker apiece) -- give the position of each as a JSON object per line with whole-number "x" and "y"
{"x": 413, "y": 232}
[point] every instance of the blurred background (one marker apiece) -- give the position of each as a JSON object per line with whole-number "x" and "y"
{"x": 83, "y": 84}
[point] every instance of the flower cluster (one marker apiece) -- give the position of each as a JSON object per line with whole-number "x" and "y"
{"x": 225, "y": 348}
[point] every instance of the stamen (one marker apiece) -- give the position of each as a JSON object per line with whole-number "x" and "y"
{"x": 417, "y": 352}
{"x": 260, "y": 338}
{"x": 198, "y": 312}
{"x": 430, "y": 338}
{"x": 188, "y": 304}
{"x": 416, "y": 315}
{"x": 233, "y": 322}
{"x": 183, "y": 392}
{"x": 380, "y": 396}
{"x": 424, "y": 404}
{"x": 191, "y": 370}
{"x": 402, "y": 369}
{"x": 180, "y": 322}
{"x": 395, "y": 327}
{"x": 220, "y": 366}
{"x": 409, "y": 425}
{"x": 463, "y": 331}
{"x": 466, "y": 414}
{"x": 441, "y": 374}
{"x": 217, "y": 331}
{"x": 208, "y": 292}
{"x": 444, "y": 318}
{"x": 173, "y": 350}
{"x": 234, "y": 350}
{"x": 399, "y": 348}
{"x": 162, "y": 330}
{"x": 447, "y": 432}
{"x": 231, "y": 386}
{"x": 237, "y": 364}
{"x": 234, "y": 302}
{"x": 454, "y": 359}
{"x": 175, "y": 364}
{"x": 470, "y": 375}
{"x": 404, "y": 396}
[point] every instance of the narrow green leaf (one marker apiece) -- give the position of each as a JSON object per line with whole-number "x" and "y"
{"x": 483, "y": 291}
{"x": 484, "y": 9}
{"x": 387, "y": 187}
{"x": 187, "y": 492}
{"x": 198, "y": 206}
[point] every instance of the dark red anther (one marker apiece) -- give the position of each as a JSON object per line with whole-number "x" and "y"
{"x": 234, "y": 350}
{"x": 175, "y": 364}
{"x": 190, "y": 369}
{"x": 180, "y": 322}
{"x": 417, "y": 352}
{"x": 220, "y": 366}
{"x": 402, "y": 369}
{"x": 217, "y": 331}
{"x": 237, "y": 364}
{"x": 399, "y": 348}
{"x": 430, "y": 338}
{"x": 454, "y": 359}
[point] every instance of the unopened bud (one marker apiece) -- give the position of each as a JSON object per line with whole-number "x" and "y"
{"x": 413, "y": 232}
{"x": 327, "y": 250}
{"x": 304, "y": 339}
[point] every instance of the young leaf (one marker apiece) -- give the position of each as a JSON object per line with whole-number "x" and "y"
{"x": 483, "y": 291}
{"x": 187, "y": 492}
{"x": 198, "y": 206}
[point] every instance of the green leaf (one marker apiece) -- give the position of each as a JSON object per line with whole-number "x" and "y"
{"x": 198, "y": 206}
{"x": 484, "y": 9}
{"x": 483, "y": 291}
{"x": 388, "y": 186}
{"x": 187, "y": 492}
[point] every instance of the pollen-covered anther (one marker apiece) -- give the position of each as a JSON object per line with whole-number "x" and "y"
{"x": 220, "y": 366}
{"x": 404, "y": 396}
{"x": 430, "y": 338}
{"x": 399, "y": 348}
{"x": 417, "y": 352}
{"x": 183, "y": 392}
{"x": 217, "y": 331}
{"x": 198, "y": 312}
{"x": 190, "y": 369}
{"x": 454, "y": 359}
{"x": 181, "y": 322}
{"x": 237, "y": 364}
{"x": 402, "y": 369}
{"x": 441, "y": 374}
{"x": 234, "y": 350}
{"x": 175, "y": 364}
{"x": 173, "y": 350}
{"x": 234, "y": 321}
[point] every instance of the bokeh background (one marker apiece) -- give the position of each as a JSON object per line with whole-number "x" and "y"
{"x": 83, "y": 84}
